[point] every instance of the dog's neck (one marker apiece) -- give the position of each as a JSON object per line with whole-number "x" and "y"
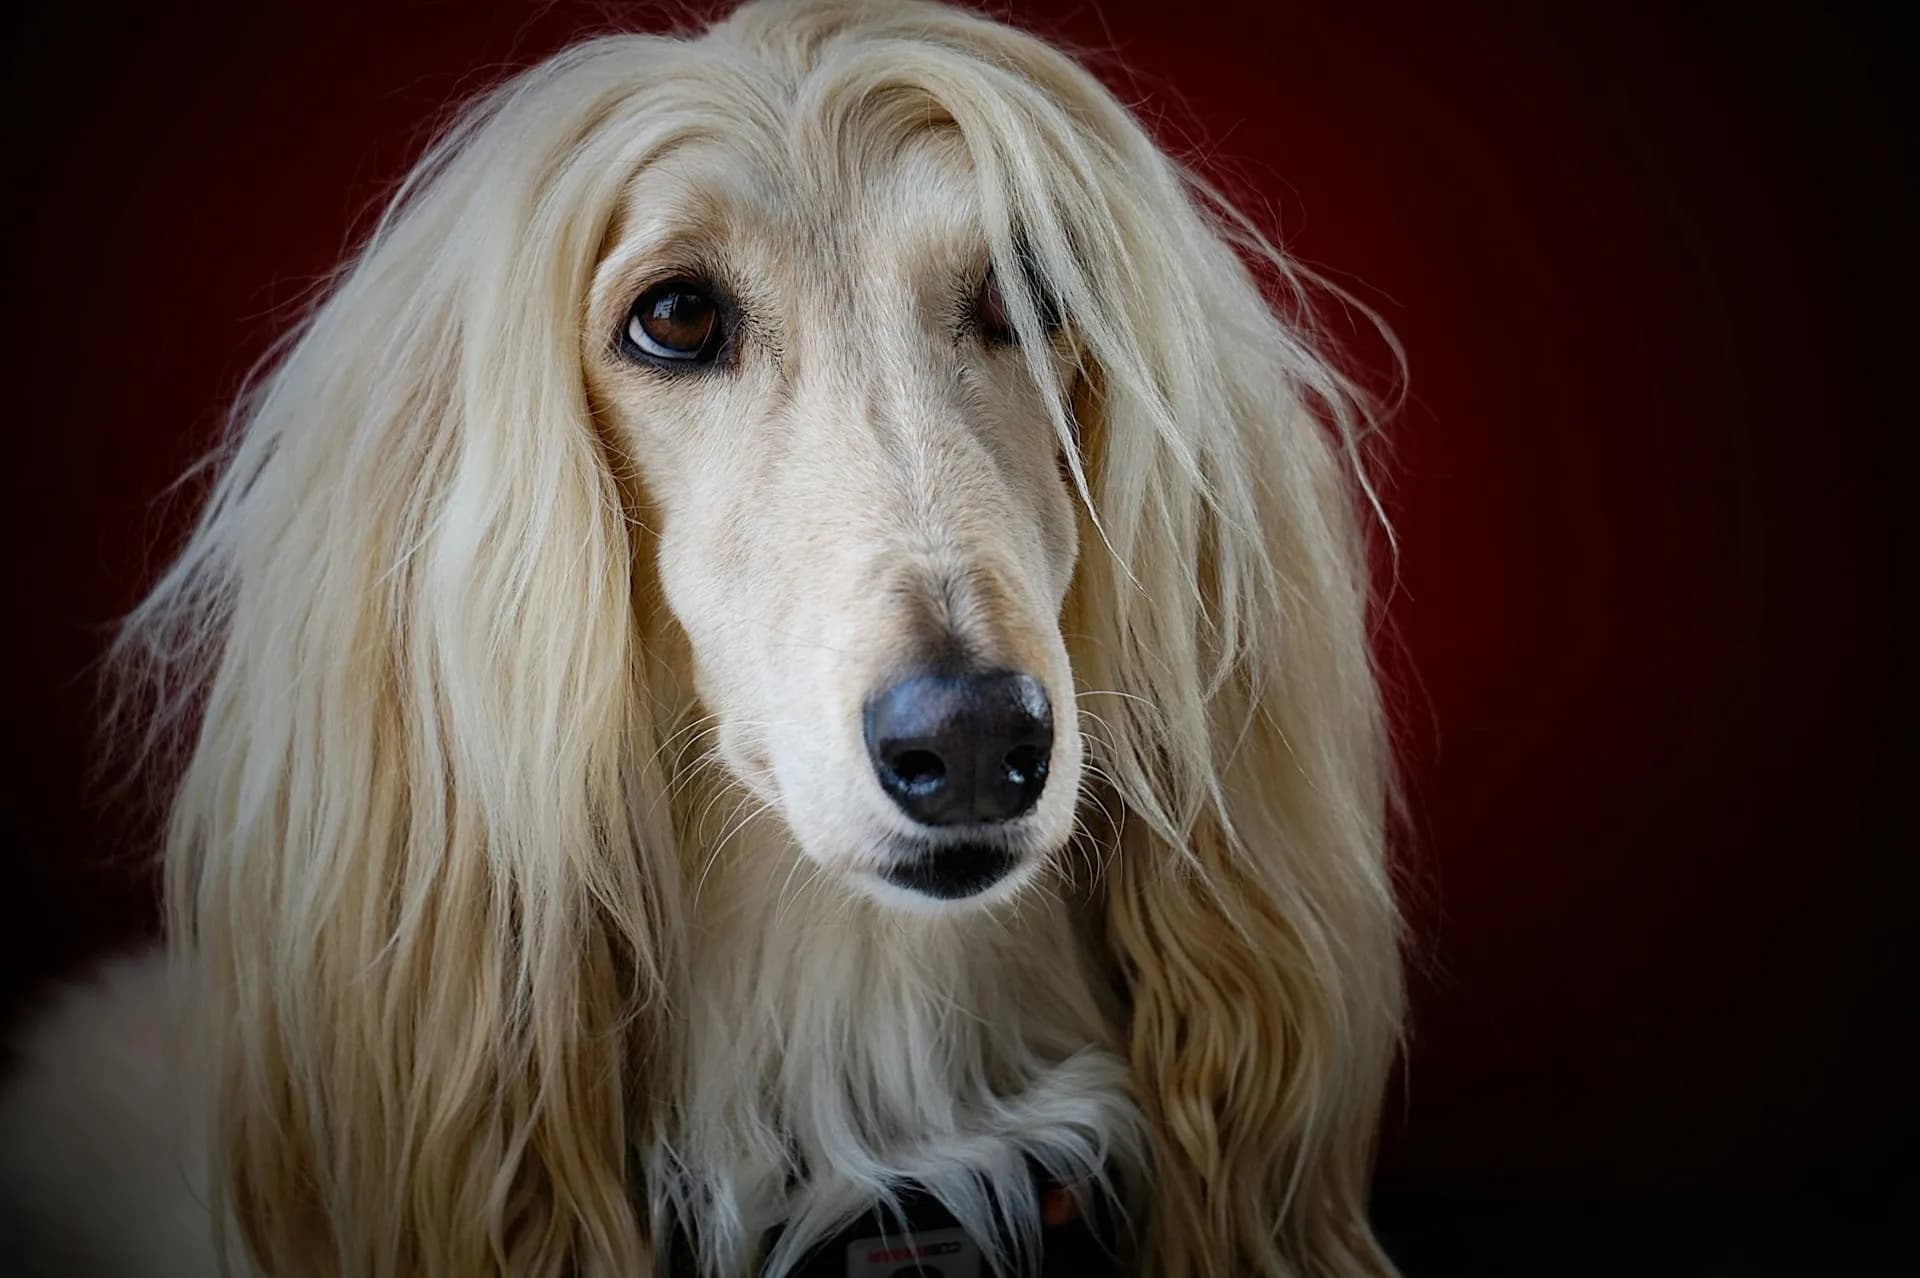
{"x": 832, "y": 1050}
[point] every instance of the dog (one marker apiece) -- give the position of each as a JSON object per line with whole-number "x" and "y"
{"x": 790, "y": 637}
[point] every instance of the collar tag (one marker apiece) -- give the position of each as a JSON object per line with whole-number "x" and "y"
{"x": 926, "y": 1253}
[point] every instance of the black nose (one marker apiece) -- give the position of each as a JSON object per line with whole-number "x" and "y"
{"x": 959, "y": 749}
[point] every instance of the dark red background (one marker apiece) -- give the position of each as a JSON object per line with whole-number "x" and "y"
{"x": 1654, "y": 275}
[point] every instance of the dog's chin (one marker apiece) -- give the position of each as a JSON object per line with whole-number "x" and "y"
{"x": 949, "y": 877}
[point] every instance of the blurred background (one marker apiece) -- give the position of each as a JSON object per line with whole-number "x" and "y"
{"x": 1654, "y": 274}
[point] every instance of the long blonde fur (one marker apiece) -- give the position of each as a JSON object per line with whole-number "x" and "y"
{"x": 437, "y": 861}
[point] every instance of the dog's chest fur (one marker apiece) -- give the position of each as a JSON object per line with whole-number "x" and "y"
{"x": 831, "y": 1052}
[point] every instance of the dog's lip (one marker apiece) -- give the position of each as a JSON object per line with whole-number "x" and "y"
{"x": 952, "y": 871}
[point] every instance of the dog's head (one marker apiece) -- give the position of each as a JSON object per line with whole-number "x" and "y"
{"x": 868, "y": 369}
{"x": 856, "y": 489}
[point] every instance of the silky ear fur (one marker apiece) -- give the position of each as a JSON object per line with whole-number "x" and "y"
{"x": 419, "y": 874}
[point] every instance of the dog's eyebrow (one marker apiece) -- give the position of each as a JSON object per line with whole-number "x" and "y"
{"x": 639, "y": 263}
{"x": 666, "y": 213}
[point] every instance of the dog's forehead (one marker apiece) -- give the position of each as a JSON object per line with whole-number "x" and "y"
{"x": 926, "y": 187}
{"x": 915, "y": 203}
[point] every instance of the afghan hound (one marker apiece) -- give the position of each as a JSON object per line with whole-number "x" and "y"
{"x": 786, "y": 646}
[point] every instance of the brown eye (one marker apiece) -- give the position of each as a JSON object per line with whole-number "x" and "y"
{"x": 994, "y": 321}
{"x": 990, "y": 314}
{"x": 676, "y": 322}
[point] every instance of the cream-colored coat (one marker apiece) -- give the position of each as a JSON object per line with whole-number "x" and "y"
{"x": 523, "y": 865}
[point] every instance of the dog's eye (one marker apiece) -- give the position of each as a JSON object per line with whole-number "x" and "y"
{"x": 990, "y": 314}
{"x": 676, "y": 322}
{"x": 994, "y": 322}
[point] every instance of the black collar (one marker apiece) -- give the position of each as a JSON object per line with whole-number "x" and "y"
{"x": 1079, "y": 1239}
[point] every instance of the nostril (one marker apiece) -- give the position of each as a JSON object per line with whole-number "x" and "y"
{"x": 1025, "y": 765}
{"x": 918, "y": 769}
